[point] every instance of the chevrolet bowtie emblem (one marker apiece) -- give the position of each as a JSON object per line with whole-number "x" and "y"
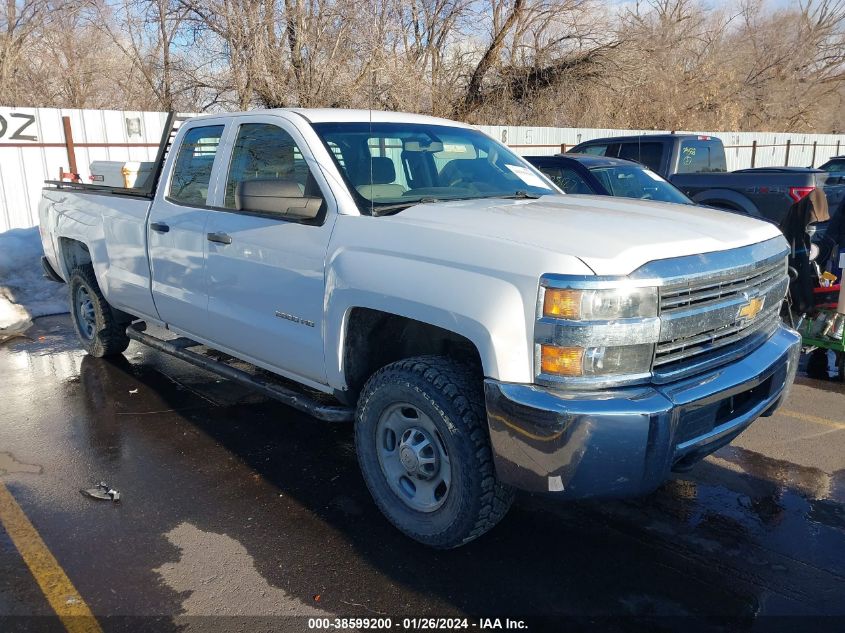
{"x": 751, "y": 309}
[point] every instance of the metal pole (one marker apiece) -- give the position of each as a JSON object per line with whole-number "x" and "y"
{"x": 69, "y": 148}
{"x": 813, "y": 162}
{"x": 753, "y": 152}
{"x": 786, "y": 161}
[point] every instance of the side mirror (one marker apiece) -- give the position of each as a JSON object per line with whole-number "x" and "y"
{"x": 278, "y": 197}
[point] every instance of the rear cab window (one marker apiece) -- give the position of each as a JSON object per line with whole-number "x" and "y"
{"x": 701, "y": 155}
{"x": 599, "y": 149}
{"x": 194, "y": 162}
{"x": 648, "y": 153}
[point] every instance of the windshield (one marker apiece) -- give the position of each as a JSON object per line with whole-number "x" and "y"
{"x": 630, "y": 181}
{"x": 391, "y": 166}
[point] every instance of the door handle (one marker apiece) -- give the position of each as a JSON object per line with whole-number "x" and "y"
{"x": 159, "y": 227}
{"x": 220, "y": 238}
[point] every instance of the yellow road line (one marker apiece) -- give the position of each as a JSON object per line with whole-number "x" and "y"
{"x": 57, "y": 587}
{"x": 806, "y": 417}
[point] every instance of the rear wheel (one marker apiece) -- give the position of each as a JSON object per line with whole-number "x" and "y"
{"x": 99, "y": 330}
{"x": 424, "y": 450}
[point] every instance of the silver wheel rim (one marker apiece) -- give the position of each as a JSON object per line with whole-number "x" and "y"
{"x": 85, "y": 314}
{"x": 413, "y": 457}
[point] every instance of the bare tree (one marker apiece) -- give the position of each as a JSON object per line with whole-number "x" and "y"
{"x": 20, "y": 20}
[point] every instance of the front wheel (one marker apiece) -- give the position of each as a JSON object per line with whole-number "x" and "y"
{"x": 424, "y": 450}
{"x": 97, "y": 327}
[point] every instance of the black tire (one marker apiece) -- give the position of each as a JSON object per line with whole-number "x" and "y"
{"x": 817, "y": 364}
{"x": 450, "y": 397}
{"x": 98, "y": 328}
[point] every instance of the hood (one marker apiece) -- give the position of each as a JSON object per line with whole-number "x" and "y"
{"x": 613, "y": 236}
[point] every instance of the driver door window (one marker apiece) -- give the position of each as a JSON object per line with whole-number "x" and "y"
{"x": 265, "y": 152}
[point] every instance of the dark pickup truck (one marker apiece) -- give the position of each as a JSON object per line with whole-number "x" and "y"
{"x": 696, "y": 165}
{"x": 834, "y": 187}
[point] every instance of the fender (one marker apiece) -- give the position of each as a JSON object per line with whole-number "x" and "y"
{"x": 113, "y": 228}
{"x": 495, "y": 315}
{"x": 75, "y": 219}
{"x": 733, "y": 200}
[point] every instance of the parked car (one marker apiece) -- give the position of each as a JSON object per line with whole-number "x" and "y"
{"x": 696, "y": 165}
{"x": 603, "y": 176}
{"x": 485, "y": 332}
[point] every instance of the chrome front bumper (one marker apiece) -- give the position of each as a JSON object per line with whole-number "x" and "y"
{"x": 624, "y": 442}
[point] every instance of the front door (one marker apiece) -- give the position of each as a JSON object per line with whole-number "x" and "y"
{"x": 176, "y": 232}
{"x": 265, "y": 273}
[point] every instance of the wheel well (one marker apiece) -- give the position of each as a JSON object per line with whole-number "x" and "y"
{"x": 727, "y": 205}
{"x": 73, "y": 253}
{"x": 720, "y": 204}
{"x": 374, "y": 339}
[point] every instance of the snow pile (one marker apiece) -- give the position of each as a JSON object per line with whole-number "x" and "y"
{"x": 24, "y": 291}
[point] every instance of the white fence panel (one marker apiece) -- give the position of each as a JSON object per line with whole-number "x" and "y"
{"x": 32, "y": 148}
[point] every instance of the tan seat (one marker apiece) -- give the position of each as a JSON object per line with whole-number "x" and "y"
{"x": 383, "y": 185}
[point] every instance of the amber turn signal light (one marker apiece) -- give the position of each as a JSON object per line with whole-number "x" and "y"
{"x": 561, "y": 361}
{"x": 563, "y": 303}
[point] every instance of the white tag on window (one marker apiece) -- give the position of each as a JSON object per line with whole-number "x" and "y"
{"x": 528, "y": 177}
{"x": 652, "y": 175}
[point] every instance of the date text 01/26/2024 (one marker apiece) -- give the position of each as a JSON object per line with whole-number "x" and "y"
{"x": 415, "y": 624}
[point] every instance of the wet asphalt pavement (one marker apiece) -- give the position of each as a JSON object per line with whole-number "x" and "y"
{"x": 233, "y": 505}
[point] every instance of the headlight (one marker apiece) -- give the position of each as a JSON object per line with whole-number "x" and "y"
{"x": 605, "y": 304}
{"x": 573, "y": 362}
{"x": 595, "y": 331}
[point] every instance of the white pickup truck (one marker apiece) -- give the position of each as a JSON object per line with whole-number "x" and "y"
{"x": 485, "y": 332}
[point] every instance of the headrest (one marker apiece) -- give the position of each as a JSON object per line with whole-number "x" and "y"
{"x": 383, "y": 170}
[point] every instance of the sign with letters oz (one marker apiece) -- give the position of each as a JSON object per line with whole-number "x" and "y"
{"x": 14, "y": 126}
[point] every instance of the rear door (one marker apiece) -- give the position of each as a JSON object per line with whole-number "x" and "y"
{"x": 266, "y": 273}
{"x": 176, "y": 233}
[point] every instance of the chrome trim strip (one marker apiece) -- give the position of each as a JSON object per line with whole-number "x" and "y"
{"x": 550, "y": 331}
{"x": 676, "y": 271}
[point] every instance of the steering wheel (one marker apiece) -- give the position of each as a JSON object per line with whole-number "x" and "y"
{"x": 462, "y": 182}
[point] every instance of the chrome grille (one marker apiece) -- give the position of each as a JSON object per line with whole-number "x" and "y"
{"x": 682, "y": 349}
{"x": 702, "y": 316}
{"x": 715, "y": 290}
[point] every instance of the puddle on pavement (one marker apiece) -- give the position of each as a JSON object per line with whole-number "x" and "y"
{"x": 218, "y": 577}
{"x": 11, "y": 466}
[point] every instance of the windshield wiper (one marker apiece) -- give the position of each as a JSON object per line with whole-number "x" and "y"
{"x": 385, "y": 209}
{"x": 400, "y": 206}
{"x": 519, "y": 195}
{"x": 516, "y": 195}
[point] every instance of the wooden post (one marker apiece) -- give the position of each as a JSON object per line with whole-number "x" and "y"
{"x": 837, "y": 148}
{"x": 813, "y": 162}
{"x": 563, "y": 148}
{"x": 69, "y": 147}
{"x": 786, "y": 160}
{"x": 753, "y": 152}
